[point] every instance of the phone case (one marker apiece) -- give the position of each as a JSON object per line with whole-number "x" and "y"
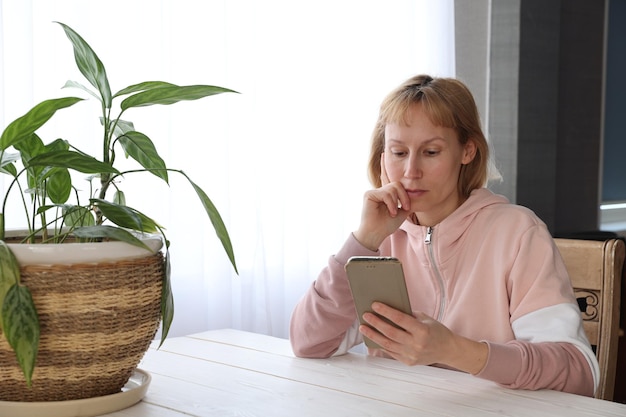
{"x": 377, "y": 279}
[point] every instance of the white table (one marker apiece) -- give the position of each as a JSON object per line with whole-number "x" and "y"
{"x": 234, "y": 373}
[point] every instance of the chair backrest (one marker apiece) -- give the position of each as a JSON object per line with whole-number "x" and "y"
{"x": 595, "y": 269}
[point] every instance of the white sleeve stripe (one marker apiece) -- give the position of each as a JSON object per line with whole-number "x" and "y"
{"x": 352, "y": 338}
{"x": 558, "y": 323}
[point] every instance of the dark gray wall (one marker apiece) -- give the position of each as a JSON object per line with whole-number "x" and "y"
{"x": 614, "y": 168}
{"x": 546, "y": 68}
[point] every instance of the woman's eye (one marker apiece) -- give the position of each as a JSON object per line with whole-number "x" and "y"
{"x": 431, "y": 152}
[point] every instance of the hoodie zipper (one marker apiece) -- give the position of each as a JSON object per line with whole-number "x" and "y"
{"x": 442, "y": 288}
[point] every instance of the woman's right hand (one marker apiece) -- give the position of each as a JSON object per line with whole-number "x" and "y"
{"x": 384, "y": 210}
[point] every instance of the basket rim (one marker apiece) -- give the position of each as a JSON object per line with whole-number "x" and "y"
{"x": 80, "y": 253}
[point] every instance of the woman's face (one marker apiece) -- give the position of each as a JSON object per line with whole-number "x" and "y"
{"x": 426, "y": 159}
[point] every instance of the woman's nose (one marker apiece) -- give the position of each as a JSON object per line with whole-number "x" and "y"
{"x": 412, "y": 168}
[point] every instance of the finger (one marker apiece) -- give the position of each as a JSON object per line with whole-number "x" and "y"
{"x": 387, "y": 196}
{"x": 395, "y": 316}
{"x": 402, "y": 199}
{"x": 397, "y": 347}
{"x": 389, "y": 330}
{"x": 408, "y": 323}
{"x": 397, "y": 198}
{"x": 380, "y": 332}
{"x": 375, "y": 337}
{"x": 392, "y": 202}
{"x": 421, "y": 316}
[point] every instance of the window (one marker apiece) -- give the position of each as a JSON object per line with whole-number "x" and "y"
{"x": 284, "y": 161}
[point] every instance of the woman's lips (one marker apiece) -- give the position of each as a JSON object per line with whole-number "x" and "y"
{"x": 416, "y": 193}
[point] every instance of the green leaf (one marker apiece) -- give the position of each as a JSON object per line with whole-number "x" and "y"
{"x": 72, "y": 160}
{"x": 167, "y": 300}
{"x": 9, "y": 158}
{"x": 44, "y": 208}
{"x": 139, "y": 147}
{"x": 74, "y": 84}
{"x": 57, "y": 145}
{"x": 147, "y": 85}
{"x": 121, "y": 126}
{"x": 34, "y": 146}
{"x": 21, "y": 327}
{"x": 26, "y": 125}
{"x": 9, "y": 273}
{"x": 218, "y": 223}
{"x": 59, "y": 186}
{"x": 7, "y": 161}
{"x": 119, "y": 198}
{"x": 171, "y": 95}
{"x": 29, "y": 148}
{"x": 126, "y": 217}
{"x": 77, "y": 216}
{"x": 110, "y": 232}
{"x": 89, "y": 65}
{"x": 9, "y": 169}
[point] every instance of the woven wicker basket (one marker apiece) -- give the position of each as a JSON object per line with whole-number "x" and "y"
{"x": 97, "y": 321}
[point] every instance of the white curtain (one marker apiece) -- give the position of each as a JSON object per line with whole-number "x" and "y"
{"x": 284, "y": 161}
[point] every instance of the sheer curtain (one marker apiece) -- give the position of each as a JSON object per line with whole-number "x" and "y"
{"x": 284, "y": 160}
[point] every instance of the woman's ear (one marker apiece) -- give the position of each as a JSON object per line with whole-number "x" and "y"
{"x": 469, "y": 152}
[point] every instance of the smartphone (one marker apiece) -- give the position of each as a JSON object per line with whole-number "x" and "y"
{"x": 377, "y": 278}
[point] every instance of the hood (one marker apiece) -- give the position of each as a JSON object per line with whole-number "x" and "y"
{"x": 450, "y": 230}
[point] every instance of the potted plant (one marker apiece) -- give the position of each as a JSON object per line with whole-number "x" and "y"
{"x": 59, "y": 214}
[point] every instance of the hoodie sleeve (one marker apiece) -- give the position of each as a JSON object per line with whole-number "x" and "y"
{"x": 550, "y": 351}
{"x": 323, "y": 317}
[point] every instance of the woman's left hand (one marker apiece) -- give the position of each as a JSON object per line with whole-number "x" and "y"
{"x": 422, "y": 340}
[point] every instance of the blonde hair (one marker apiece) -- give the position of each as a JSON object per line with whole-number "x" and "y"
{"x": 447, "y": 103}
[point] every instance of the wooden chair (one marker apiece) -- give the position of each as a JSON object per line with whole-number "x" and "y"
{"x": 595, "y": 269}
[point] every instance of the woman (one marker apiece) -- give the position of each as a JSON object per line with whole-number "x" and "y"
{"x": 489, "y": 289}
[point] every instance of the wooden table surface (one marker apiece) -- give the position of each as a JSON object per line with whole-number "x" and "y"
{"x": 235, "y": 373}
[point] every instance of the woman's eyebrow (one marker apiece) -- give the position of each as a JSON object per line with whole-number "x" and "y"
{"x": 427, "y": 141}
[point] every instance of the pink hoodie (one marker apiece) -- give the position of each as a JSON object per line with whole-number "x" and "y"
{"x": 491, "y": 272}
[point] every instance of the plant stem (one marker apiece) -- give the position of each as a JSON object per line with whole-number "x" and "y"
{"x": 105, "y": 179}
{"x": 6, "y": 197}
